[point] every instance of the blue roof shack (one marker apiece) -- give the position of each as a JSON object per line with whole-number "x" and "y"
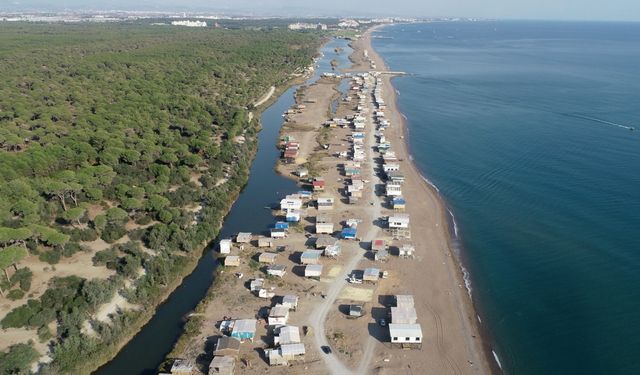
{"x": 305, "y": 194}
{"x": 244, "y": 329}
{"x": 281, "y": 225}
{"x": 399, "y": 203}
{"x": 349, "y": 233}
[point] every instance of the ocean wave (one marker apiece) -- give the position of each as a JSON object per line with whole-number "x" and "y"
{"x": 403, "y": 116}
{"x": 495, "y": 355}
{"x": 467, "y": 281}
{"x": 455, "y": 225}
{"x": 427, "y": 180}
{"x": 397, "y": 92}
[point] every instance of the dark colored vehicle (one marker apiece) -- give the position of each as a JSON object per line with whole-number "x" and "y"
{"x": 326, "y": 349}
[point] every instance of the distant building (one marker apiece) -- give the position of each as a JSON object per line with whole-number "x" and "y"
{"x": 188, "y": 23}
{"x": 348, "y": 24}
{"x": 307, "y": 26}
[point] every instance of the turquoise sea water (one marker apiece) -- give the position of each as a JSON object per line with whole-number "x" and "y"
{"x": 524, "y": 128}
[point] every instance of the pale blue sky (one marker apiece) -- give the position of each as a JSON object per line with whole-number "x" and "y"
{"x": 537, "y": 9}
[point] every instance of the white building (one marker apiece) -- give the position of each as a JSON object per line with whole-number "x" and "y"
{"x": 290, "y": 204}
{"x": 313, "y": 270}
{"x": 405, "y": 333}
{"x": 287, "y": 335}
{"x": 400, "y": 221}
{"x": 225, "y": 246}
{"x": 393, "y": 189}
{"x": 278, "y": 315}
{"x": 188, "y": 23}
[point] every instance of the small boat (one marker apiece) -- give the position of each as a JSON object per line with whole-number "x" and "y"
{"x": 632, "y": 128}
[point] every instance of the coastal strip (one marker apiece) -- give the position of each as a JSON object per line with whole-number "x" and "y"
{"x": 440, "y": 283}
{"x": 325, "y": 289}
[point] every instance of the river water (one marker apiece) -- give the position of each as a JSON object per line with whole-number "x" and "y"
{"x": 146, "y": 351}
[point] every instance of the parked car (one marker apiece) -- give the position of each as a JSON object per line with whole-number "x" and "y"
{"x": 326, "y": 349}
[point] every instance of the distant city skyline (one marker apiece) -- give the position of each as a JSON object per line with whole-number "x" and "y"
{"x": 620, "y": 10}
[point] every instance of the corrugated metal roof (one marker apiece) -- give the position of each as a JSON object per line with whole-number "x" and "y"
{"x": 403, "y": 315}
{"x": 278, "y": 311}
{"x": 292, "y": 349}
{"x": 245, "y": 325}
{"x": 372, "y": 272}
{"x": 404, "y": 300}
{"x": 289, "y": 335}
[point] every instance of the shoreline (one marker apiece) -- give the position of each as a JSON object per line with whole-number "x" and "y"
{"x": 467, "y": 304}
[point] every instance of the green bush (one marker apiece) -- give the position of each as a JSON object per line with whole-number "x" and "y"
{"x": 44, "y": 334}
{"x": 17, "y": 360}
{"x": 113, "y": 232}
{"x": 50, "y": 256}
{"x": 144, "y": 220}
{"x": 83, "y": 235}
{"x": 15, "y": 294}
{"x": 70, "y": 249}
{"x": 23, "y": 277}
{"x": 106, "y": 257}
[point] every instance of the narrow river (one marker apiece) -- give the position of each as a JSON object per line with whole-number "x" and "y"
{"x": 144, "y": 353}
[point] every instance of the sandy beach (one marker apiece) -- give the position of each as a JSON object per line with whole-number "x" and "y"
{"x": 437, "y": 282}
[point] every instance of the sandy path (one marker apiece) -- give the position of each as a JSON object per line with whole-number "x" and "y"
{"x": 318, "y": 318}
{"x": 265, "y": 97}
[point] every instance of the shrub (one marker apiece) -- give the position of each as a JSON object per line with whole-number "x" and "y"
{"x": 113, "y": 232}
{"x": 44, "y": 334}
{"x": 18, "y": 359}
{"x": 83, "y": 235}
{"x": 15, "y": 294}
{"x": 51, "y": 256}
{"x": 107, "y": 257}
{"x": 144, "y": 220}
{"x": 70, "y": 249}
{"x": 22, "y": 277}
{"x": 137, "y": 234}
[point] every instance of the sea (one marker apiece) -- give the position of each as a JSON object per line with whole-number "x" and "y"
{"x": 531, "y": 133}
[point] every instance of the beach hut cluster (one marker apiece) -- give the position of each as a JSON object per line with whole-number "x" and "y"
{"x": 290, "y": 149}
{"x": 404, "y": 329}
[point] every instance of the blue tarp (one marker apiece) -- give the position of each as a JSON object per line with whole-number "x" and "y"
{"x": 282, "y": 225}
{"x": 349, "y": 233}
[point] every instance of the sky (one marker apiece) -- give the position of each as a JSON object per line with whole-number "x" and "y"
{"x": 621, "y": 10}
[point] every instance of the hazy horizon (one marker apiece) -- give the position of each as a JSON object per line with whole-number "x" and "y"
{"x": 595, "y": 10}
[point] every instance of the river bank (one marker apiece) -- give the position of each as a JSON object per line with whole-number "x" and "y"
{"x": 202, "y": 264}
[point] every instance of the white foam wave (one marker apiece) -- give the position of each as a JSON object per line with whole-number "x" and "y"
{"x": 467, "y": 280}
{"x": 405, "y": 117}
{"x": 428, "y": 182}
{"x": 479, "y": 319}
{"x": 397, "y": 92}
{"x": 495, "y": 355}
{"x": 455, "y": 225}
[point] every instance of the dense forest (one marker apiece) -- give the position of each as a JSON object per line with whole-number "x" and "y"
{"x": 135, "y": 136}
